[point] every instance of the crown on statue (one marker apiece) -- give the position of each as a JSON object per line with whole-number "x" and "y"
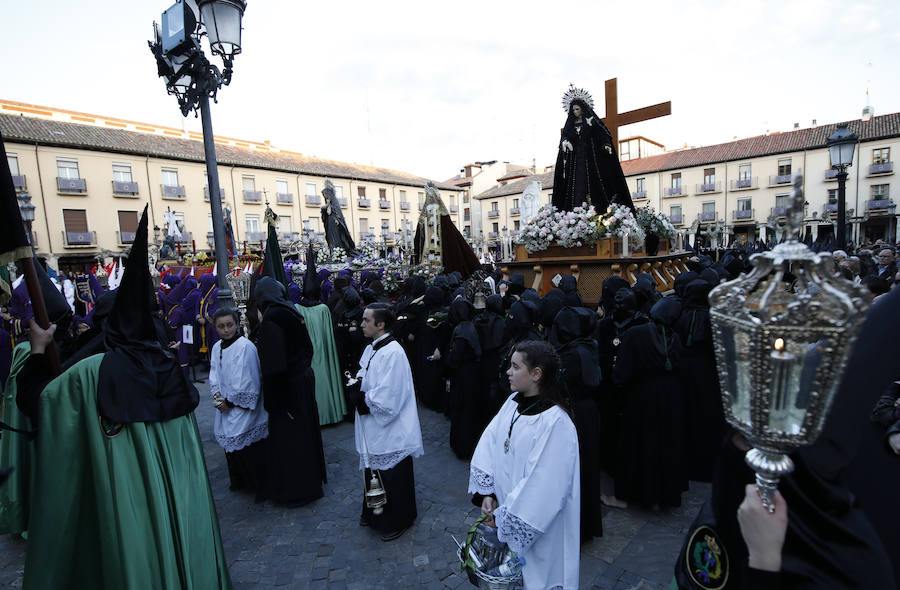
{"x": 573, "y": 94}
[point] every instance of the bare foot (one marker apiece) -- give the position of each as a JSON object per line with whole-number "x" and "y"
{"x": 612, "y": 501}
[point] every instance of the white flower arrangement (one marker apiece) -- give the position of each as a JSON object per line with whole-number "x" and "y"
{"x": 618, "y": 221}
{"x": 655, "y": 223}
{"x": 569, "y": 229}
{"x": 336, "y": 255}
{"x": 427, "y": 271}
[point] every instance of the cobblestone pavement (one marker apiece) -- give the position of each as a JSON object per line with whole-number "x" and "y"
{"x": 321, "y": 545}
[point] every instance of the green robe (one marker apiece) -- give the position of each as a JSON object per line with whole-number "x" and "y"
{"x": 132, "y": 510}
{"x": 15, "y": 451}
{"x": 329, "y": 386}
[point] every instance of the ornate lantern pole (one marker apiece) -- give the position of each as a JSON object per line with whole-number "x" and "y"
{"x": 781, "y": 349}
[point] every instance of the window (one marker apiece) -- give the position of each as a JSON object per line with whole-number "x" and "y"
{"x": 467, "y": 215}
{"x": 495, "y": 206}
{"x": 338, "y": 191}
{"x": 122, "y": 172}
{"x": 743, "y": 204}
{"x": 675, "y": 212}
{"x": 67, "y": 169}
{"x": 281, "y": 187}
{"x": 881, "y": 155}
{"x": 516, "y": 225}
{"x": 782, "y": 201}
{"x": 209, "y": 223}
{"x": 709, "y": 176}
{"x": 363, "y": 225}
{"x": 310, "y": 189}
{"x": 313, "y": 224}
{"x": 382, "y": 194}
{"x": 248, "y": 183}
{"x": 676, "y": 181}
{"x": 385, "y": 226}
{"x": 709, "y": 208}
{"x": 784, "y": 166}
{"x": 832, "y": 196}
{"x": 402, "y": 196}
{"x": 284, "y": 224}
{"x": 880, "y": 191}
{"x": 744, "y": 172}
{"x": 179, "y": 222}
{"x": 13, "y": 161}
{"x": 361, "y": 191}
{"x": 467, "y": 231}
{"x": 128, "y": 223}
{"x": 75, "y": 221}
{"x": 515, "y": 203}
{"x": 495, "y": 227}
{"x": 252, "y": 223}
{"x": 169, "y": 177}
{"x": 640, "y": 185}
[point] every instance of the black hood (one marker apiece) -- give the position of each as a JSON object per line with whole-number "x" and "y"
{"x": 549, "y": 306}
{"x": 568, "y": 284}
{"x": 494, "y": 304}
{"x": 312, "y": 290}
{"x": 434, "y": 297}
{"x": 57, "y": 307}
{"x": 352, "y": 303}
{"x": 666, "y": 311}
{"x": 710, "y": 276}
{"x": 611, "y": 286}
{"x": 682, "y": 280}
{"x": 139, "y": 381}
{"x": 461, "y": 310}
{"x": 270, "y": 292}
{"x": 530, "y": 295}
{"x": 572, "y": 323}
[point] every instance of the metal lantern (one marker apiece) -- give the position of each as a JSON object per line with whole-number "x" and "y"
{"x": 222, "y": 20}
{"x": 376, "y": 497}
{"x": 781, "y": 349}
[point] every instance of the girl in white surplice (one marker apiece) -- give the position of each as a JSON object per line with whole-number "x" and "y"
{"x": 525, "y": 471}
{"x": 241, "y": 425}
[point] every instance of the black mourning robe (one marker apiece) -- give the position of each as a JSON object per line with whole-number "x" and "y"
{"x": 430, "y": 331}
{"x": 651, "y": 445}
{"x": 491, "y": 325}
{"x": 704, "y": 417}
{"x": 468, "y": 411}
{"x": 337, "y": 234}
{"x": 296, "y": 465}
{"x": 591, "y": 172}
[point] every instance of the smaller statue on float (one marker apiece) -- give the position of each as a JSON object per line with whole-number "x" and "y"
{"x": 337, "y": 234}
{"x": 438, "y": 241}
{"x": 587, "y": 167}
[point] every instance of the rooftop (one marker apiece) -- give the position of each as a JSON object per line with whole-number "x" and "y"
{"x": 517, "y": 186}
{"x": 54, "y": 127}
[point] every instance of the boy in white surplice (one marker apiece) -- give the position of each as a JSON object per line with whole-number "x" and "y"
{"x": 525, "y": 471}
{"x": 241, "y": 425}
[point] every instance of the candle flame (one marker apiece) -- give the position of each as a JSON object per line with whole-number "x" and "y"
{"x": 779, "y": 344}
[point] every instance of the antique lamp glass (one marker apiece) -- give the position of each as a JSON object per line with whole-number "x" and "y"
{"x": 841, "y": 145}
{"x": 781, "y": 349}
{"x": 222, "y": 20}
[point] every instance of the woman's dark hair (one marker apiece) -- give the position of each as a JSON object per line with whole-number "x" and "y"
{"x": 383, "y": 313}
{"x": 538, "y": 353}
{"x": 226, "y": 312}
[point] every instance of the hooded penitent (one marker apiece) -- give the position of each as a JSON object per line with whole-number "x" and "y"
{"x": 312, "y": 291}
{"x": 665, "y": 314}
{"x": 569, "y": 286}
{"x": 139, "y": 380}
{"x": 610, "y": 287}
{"x": 572, "y": 333}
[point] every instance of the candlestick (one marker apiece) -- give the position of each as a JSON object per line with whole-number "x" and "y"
{"x": 782, "y": 365}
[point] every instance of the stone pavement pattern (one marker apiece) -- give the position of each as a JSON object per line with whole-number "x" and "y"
{"x": 321, "y": 545}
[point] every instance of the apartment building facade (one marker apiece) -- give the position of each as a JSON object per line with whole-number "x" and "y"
{"x": 89, "y": 178}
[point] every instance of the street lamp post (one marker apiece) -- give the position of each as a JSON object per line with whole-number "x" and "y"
{"x": 193, "y": 80}
{"x": 27, "y": 211}
{"x": 841, "y": 146}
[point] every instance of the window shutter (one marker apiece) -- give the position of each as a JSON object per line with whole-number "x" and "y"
{"x": 75, "y": 220}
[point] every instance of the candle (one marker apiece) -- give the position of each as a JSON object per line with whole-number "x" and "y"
{"x": 782, "y": 364}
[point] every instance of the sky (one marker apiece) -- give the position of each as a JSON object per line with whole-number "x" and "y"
{"x": 426, "y": 87}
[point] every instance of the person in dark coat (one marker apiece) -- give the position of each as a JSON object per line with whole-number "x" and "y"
{"x": 296, "y": 465}
{"x": 654, "y": 470}
{"x": 467, "y": 408}
{"x": 348, "y": 335}
{"x": 682, "y": 281}
{"x": 491, "y": 325}
{"x": 521, "y": 324}
{"x": 646, "y": 293}
{"x": 426, "y": 356}
{"x": 548, "y": 307}
{"x": 569, "y": 286}
{"x": 704, "y": 418}
{"x": 573, "y": 337}
{"x": 513, "y": 289}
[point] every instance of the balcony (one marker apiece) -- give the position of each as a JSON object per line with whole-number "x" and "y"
{"x": 494, "y": 213}
{"x": 879, "y": 204}
{"x": 708, "y": 187}
{"x": 289, "y": 236}
{"x": 883, "y": 168}
{"x": 71, "y": 185}
{"x": 364, "y": 203}
{"x": 206, "y": 194}
{"x": 172, "y": 191}
{"x": 780, "y": 179}
{"x": 831, "y": 174}
{"x": 467, "y": 217}
{"x": 743, "y": 214}
{"x": 779, "y": 211}
{"x": 404, "y": 206}
{"x": 638, "y": 195}
{"x": 742, "y": 184}
{"x": 454, "y": 208}
{"x": 186, "y": 238}
{"x": 314, "y": 200}
{"x": 513, "y": 211}
{"x": 256, "y": 236}
{"x": 493, "y": 235}
{"x": 366, "y": 235}
{"x": 252, "y": 196}
{"x": 125, "y": 237}
{"x": 76, "y": 239}
{"x": 831, "y": 207}
{"x": 384, "y": 205}
{"x": 124, "y": 189}
{"x": 284, "y": 198}
{"x": 708, "y": 216}
{"x": 211, "y": 239}
{"x": 676, "y": 219}
{"x": 674, "y": 191}
{"x": 19, "y": 182}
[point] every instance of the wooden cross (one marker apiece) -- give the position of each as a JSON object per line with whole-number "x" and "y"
{"x": 614, "y": 119}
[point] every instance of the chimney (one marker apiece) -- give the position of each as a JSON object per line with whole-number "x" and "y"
{"x": 814, "y": 123}
{"x": 796, "y": 125}
{"x": 868, "y": 113}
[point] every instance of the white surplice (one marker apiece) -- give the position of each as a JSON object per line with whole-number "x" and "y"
{"x": 234, "y": 373}
{"x": 538, "y": 491}
{"x": 392, "y": 430}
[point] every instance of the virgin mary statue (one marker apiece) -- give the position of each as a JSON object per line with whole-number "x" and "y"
{"x": 336, "y": 231}
{"x": 587, "y": 167}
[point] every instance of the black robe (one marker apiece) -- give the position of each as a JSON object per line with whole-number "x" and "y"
{"x": 491, "y": 325}
{"x": 430, "y": 331}
{"x": 591, "y": 172}
{"x": 336, "y": 232}
{"x": 296, "y": 466}
{"x": 468, "y": 410}
{"x": 703, "y": 413}
{"x": 651, "y": 445}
